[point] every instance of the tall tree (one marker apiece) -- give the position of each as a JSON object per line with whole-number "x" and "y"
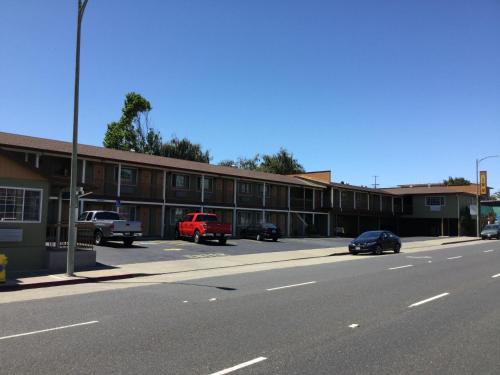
{"x": 456, "y": 181}
{"x": 185, "y": 149}
{"x": 243, "y": 163}
{"x": 282, "y": 162}
{"x": 495, "y": 196}
{"x": 132, "y": 131}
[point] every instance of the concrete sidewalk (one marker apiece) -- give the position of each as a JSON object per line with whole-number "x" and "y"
{"x": 190, "y": 266}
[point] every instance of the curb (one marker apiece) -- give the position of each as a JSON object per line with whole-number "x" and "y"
{"x": 463, "y": 241}
{"x": 85, "y": 280}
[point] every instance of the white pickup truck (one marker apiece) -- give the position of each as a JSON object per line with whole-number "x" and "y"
{"x": 108, "y": 225}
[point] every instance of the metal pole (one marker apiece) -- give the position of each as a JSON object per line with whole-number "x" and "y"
{"x": 73, "y": 199}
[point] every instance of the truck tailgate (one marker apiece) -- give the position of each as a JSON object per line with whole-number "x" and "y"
{"x": 214, "y": 227}
{"x": 126, "y": 226}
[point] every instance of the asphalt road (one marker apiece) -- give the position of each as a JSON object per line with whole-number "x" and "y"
{"x": 434, "y": 312}
{"x": 115, "y": 253}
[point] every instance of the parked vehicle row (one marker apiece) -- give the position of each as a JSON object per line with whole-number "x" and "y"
{"x": 491, "y": 231}
{"x": 203, "y": 226}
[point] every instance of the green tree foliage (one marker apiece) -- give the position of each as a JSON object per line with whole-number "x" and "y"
{"x": 184, "y": 149}
{"x": 456, "y": 181}
{"x": 495, "y": 196}
{"x": 282, "y": 162}
{"x": 132, "y": 131}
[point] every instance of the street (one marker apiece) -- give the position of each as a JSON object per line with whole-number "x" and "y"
{"x": 430, "y": 312}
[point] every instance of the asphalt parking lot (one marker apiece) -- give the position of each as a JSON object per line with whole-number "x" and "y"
{"x": 115, "y": 253}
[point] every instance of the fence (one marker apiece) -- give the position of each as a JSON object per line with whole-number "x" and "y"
{"x": 57, "y": 237}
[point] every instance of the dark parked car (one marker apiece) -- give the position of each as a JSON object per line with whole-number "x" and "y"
{"x": 491, "y": 231}
{"x": 376, "y": 242}
{"x": 261, "y": 232}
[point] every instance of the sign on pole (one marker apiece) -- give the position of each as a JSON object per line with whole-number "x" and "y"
{"x": 483, "y": 179}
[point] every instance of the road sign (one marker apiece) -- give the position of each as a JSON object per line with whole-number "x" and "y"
{"x": 483, "y": 179}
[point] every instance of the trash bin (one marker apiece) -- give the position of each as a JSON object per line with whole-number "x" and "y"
{"x": 3, "y": 264}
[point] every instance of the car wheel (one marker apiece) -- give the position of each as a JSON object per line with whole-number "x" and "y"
{"x": 397, "y": 248}
{"x": 259, "y": 237}
{"x": 128, "y": 242}
{"x": 353, "y": 252}
{"x": 222, "y": 241}
{"x": 275, "y": 239}
{"x": 378, "y": 250}
{"x": 197, "y": 238}
{"x": 98, "y": 238}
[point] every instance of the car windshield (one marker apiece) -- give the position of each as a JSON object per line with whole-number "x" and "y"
{"x": 207, "y": 218}
{"x": 269, "y": 226}
{"x": 491, "y": 227}
{"x": 372, "y": 235}
{"x": 107, "y": 215}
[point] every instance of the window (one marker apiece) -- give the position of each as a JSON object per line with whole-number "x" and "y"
{"x": 83, "y": 216}
{"x": 17, "y": 204}
{"x": 245, "y": 187}
{"x": 207, "y": 218}
{"x": 434, "y": 201}
{"x": 209, "y": 184}
{"x": 107, "y": 215}
{"x": 180, "y": 181}
{"x": 129, "y": 176}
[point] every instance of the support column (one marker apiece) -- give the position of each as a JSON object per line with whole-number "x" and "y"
{"x": 59, "y": 219}
{"x": 288, "y": 198}
{"x": 84, "y": 167}
{"x": 163, "y": 206}
{"x": 119, "y": 185}
{"x": 37, "y": 160}
{"x": 202, "y": 193}
{"x": 354, "y": 204}
{"x": 458, "y": 215}
{"x": 392, "y": 205}
{"x": 340, "y": 200}
{"x": 314, "y": 199}
{"x": 328, "y": 229}
{"x": 288, "y": 224}
{"x": 235, "y": 206}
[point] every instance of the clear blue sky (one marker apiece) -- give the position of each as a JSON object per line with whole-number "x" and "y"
{"x": 401, "y": 89}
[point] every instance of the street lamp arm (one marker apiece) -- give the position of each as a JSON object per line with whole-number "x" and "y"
{"x": 81, "y": 8}
{"x": 487, "y": 157}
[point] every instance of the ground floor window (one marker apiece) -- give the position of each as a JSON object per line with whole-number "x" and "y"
{"x": 19, "y": 204}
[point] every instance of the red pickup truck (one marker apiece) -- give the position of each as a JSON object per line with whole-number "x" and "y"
{"x": 201, "y": 226}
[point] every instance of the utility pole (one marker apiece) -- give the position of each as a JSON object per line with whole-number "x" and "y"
{"x": 73, "y": 199}
{"x": 375, "y": 183}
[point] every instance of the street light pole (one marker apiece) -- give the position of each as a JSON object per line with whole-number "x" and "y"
{"x": 73, "y": 199}
{"x": 478, "y": 203}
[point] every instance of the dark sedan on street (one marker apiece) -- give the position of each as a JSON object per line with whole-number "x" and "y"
{"x": 491, "y": 231}
{"x": 375, "y": 242}
{"x": 261, "y": 232}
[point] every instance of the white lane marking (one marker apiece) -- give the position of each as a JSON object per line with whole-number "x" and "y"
{"x": 291, "y": 286}
{"x": 397, "y": 268}
{"x": 424, "y": 257}
{"x": 354, "y": 325}
{"x": 49, "y": 329}
{"x": 495, "y": 276}
{"x": 430, "y": 261}
{"x": 240, "y": 366}
{"x": 173, "y": 249}
{"x": 429, "y": 299}
{"x": 185, "y": 301}
{"x": 488, "y": 251}
{"x": 457, "y": 257}
{"x": 212, "y": 299}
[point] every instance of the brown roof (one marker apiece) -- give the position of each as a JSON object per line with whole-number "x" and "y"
{"x": 360, "y": 188}
{"x": 53, "y": 146}
{"x": 416, "y": 190}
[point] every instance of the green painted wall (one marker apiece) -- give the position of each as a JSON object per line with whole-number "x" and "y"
{"x": 449, "y": 210}
{"x": 29, "y": 254}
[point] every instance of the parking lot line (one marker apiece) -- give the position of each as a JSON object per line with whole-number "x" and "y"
{"x": 49, "y": 330}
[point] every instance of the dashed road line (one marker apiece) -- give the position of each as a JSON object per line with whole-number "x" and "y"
{"x": 48, "y": 330}
{"x": 488, "y": 251}
{"x": 457, "y": 257}
{"x": 240, "y": 366}
{"x": 397, "y": 268}
{"x": 429, "y": 299}
{"x": 290, "y": 286}
{"x": 422, "y": 257}
{"x": 495, "y": 276}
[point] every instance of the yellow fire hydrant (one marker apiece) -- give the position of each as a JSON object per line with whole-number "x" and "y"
{"x": 3, "y": 264}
